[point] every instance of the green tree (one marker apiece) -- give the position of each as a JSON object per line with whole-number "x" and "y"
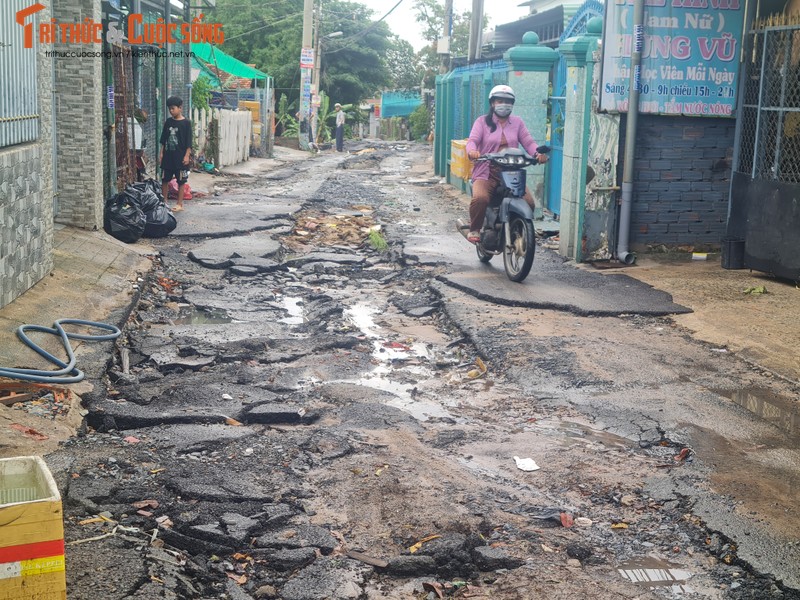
{"x": 430, "y": 16}
{"x": 404, "y": 65}
{"x": 201, "y": 92}
{"x": 270, "y": 34}
{"x": 353, "y": 65}
{"x": 419, "y": 122}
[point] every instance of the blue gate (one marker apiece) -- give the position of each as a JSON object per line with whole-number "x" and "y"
{"x": 575, "y": 27}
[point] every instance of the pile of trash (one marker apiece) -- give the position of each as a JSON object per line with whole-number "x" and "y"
{"x": 139, "y": 211}
{"x": 317, "y": 228}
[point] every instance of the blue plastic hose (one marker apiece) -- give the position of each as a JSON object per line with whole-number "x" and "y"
{"x": 68, "y": 373}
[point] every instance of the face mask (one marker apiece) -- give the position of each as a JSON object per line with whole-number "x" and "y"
{"x": 503, "y": 110}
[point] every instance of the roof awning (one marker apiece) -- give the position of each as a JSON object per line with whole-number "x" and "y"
{"x": 233, "y": 66}
{"x": 203, "y": 71}
{"x": 399, "y": 104}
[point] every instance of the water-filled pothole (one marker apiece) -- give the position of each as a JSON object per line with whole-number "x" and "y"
{"x": 781, "y": 411}
{"x": 391, "y": 357}
{"x": 656, "y": 573}
{"x": 202, "y": 316}
{"x": 294, "y": 307}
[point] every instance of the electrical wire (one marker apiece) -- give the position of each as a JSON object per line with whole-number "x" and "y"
{"x": 292, "y": 16}
{"x": 356, "y": 36}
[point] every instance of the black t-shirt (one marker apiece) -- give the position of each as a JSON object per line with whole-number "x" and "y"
{"x": 176, "y": 137}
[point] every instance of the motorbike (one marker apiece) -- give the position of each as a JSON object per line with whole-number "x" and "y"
{"x": 508, "y": 225}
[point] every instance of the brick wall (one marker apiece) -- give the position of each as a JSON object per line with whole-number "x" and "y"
{"x": 681, "y": 180}
{"x": 26, "y": 197}
{"x": 79, "y": 125}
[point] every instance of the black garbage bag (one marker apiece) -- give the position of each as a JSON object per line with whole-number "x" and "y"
{"x": 160, "y": 222}
{"x": 145, "y": 194}
{"x": 123, "y": 219}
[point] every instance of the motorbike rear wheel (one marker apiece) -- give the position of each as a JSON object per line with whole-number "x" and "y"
{"x": 519, "y": 249}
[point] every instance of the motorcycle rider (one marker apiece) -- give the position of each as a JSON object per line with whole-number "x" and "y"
{"x": 492, "y": 132}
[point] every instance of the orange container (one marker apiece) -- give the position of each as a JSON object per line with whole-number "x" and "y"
{"x": 31, "y": 532}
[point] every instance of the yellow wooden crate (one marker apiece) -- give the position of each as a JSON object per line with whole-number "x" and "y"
{"x": 31, "y": 532}
{"x": 460, "y": 165}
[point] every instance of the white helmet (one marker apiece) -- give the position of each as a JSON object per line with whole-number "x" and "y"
{"x": 502, "y": 91}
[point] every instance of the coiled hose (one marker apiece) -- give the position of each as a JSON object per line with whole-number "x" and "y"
{"x": 68, "y": 373}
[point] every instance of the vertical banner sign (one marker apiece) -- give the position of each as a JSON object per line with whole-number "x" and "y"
{"x": 307, "y": 58}
{"x": 306, "y": 67}
{"x": 690, "y": 56}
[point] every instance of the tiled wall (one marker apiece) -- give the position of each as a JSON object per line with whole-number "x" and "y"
{"x": 26, "y": 197}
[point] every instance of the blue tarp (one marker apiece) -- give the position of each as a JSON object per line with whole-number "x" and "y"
{"x": 399, "y": 104}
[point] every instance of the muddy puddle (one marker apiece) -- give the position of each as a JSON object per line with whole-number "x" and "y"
{"x": 654, "y": 573}
{"x": 574, "y": 432}
{"x": 399, "y": 365}
{"x": 780, "y": 411}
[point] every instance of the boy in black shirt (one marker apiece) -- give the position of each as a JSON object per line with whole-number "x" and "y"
{"x": 176, "y": 148}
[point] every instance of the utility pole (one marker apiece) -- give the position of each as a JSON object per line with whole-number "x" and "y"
{"x": 447, "y": 33}
{"x": 316, "y": 72}
{"x": 476, "y": 30}
{"x": 306, "y": 68}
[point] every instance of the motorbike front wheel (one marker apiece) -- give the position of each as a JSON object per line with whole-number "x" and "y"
{"x": 519, "y": 249}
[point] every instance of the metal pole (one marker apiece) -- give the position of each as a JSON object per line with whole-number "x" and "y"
{"x": 444, "y": 42}
{"x": 623, "y": 255}
{"x": 476, "y": 30}
{"x": 316, "y": 73}
{"x": 305, "y": 74}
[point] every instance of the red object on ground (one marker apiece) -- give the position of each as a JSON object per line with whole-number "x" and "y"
{"x": 173, "y": 190}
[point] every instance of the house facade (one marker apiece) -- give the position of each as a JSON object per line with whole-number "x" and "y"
{"x": 26, "y": 151}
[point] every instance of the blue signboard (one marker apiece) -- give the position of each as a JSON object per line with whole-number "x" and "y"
{"x": 690, "y": 56}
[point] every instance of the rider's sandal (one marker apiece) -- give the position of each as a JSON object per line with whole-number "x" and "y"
{"x": 474, "y": 237}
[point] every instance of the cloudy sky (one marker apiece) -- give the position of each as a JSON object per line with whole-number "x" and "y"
{"x": 402, "y": 22}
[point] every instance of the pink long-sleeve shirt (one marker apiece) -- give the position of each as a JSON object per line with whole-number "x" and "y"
{"x": 482, "y": 139}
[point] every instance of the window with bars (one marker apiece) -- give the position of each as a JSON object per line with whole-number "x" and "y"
{"x": 19, "y": 102}
{"x": 770, "y": 116}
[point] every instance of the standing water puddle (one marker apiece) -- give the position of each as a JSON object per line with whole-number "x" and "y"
{"x": 656, "y": 573}
{"x": 388, "y": 354}
{"x": 782, "y": 412}
{"x": 199, "y": 316}
{"x": 293, "y": 306}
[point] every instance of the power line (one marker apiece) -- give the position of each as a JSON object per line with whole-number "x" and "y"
{"x": 355, "y": 37}
{"x": 233, "y": 37}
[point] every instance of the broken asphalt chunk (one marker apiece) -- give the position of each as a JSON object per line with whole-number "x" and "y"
{"x": 411, "y": 565}
{"x": 287, "y": 559}
{"x": 279, "y": 414}
{"x": 302, "y": 536}
{"x": 490, "y": 559}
